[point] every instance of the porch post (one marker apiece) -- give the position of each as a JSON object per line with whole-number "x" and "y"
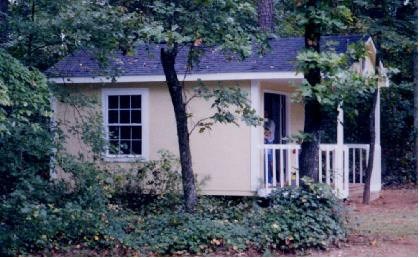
{"x": 256, "y": 139}
{"x": 376, "y": 169}
{"x": 339, "y": 134}
{"x": 339, "y": 173}
{"x": 53, "y": 124}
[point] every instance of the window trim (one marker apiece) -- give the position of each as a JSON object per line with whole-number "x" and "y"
{"x": 144, "y": 92}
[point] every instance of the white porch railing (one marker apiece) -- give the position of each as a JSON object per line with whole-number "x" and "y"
{"x": 358, "y": 162}
{"x": 281, "y": 166}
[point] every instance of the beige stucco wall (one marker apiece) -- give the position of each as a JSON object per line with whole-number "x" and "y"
{"x": 222, "y": 156}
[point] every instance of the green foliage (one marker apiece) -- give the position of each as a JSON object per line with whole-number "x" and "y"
{"x": 36, "y": 212}
{"x": 295, "y": 219}
{"x": 398, "y": 135}
{"x": 230, "y": 104}
{"x": 24, "y": 95}
{"x": 393, "y": 26}
{"x": 340, "y": 82}
{"x": 184, "y": 233}
{"x": 151, "y": 186}
{"x": 25, "y": 140}
{"x": 42, "y": 32}
{"x": 40, "y": 213}
{"x": 90, "y": 131}
{"x": 228, "y": 208}
{"x": 330, "y": 16}
{"x": 301, "y": 218}
{"x": 228, "y": 25}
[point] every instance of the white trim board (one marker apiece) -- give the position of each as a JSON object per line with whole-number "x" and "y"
{"x": 191, "y": 77}
{"x": 144, "y": 123}
{"x": 256, "y": 134}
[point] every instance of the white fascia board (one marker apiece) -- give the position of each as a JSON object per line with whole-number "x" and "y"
{"x": 371, "y": 42}
{"x": 192, "y": 77}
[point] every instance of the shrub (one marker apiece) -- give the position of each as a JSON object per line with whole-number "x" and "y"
{"x": 231, "y": 208}
{"x": 300, "y": 218}
{"x": 42, "y": 214}
{"x": 184, "y": 233}
{"x": 153, "y": 186}
{"x": 25, "y": 139}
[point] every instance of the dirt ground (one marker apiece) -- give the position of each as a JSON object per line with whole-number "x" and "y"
{"x": 387, "y": 227}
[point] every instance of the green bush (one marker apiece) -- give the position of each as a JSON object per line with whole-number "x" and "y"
{"x": 294, "y": 220}
{"x": 299, "y": 218}
{"x": 184, "y": 233}
{"x": 25, "y": 138}
{"x": 41, "y": 214}
{"x": 231, "y": 208}
{"x": 153, "y": 186}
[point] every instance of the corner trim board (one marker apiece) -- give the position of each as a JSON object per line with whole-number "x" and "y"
{"x": 255, "y": 135}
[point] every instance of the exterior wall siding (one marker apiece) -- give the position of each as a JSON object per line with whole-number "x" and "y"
{"x": 221, "y": 156}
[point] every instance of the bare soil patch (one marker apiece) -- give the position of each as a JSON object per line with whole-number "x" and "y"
{"x": 386, "y": 227}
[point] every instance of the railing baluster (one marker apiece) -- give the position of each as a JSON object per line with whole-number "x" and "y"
{"x": 297, "y": 171}
{"x": 281, "y": 166}
{"x": 333, "y": 169}
{"x": 274, "y": 167}
{"x": 346, "y": 172}
{"x": 320, "y": 166}
{"x": 353, "y": 166}
{"x": 266, "y": 168}
{"x": 327, "y": 167}
{"x": 360, "y": 166}
{"x": 289, "y": 167}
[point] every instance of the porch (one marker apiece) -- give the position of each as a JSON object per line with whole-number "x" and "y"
{"x": 275, "y": 162}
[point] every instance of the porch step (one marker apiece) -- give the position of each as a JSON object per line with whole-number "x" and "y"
{"x": 356, "y": 189}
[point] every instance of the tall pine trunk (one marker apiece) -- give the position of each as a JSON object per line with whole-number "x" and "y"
{"x": 309, "y": 157}
{"x": 4, "y": 8}
{"x": 168, "y": 59}
{"x": 415, "y": 96}
{"x": 367, "y": 184}
{"x": 266, "y": 15}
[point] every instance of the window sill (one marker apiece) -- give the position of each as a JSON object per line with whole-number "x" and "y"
{"x": 124, "y": 159}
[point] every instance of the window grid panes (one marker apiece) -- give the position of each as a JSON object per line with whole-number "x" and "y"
{"x": 124, "y": 124}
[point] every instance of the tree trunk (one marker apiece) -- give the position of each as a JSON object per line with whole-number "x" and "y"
{"x": 309, "y": 157}
{"x": 367, "y": 183}
{"x": 266, "y": 15}
{"x": 4, "y": 8}
{"x": 415, "y": 97}
{"x": 168, "y": 59}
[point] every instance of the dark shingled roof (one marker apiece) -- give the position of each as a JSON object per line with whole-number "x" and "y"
{"x": 281, "y": 58}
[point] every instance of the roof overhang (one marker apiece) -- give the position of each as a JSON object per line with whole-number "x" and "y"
{"x": 371, "y": 49}
{"x": 384, "y": 81}
{"x": 181, "y": 77}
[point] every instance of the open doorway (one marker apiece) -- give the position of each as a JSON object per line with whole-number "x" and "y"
{"x": 275, "y": 114}
{"x": 275, "y": 131}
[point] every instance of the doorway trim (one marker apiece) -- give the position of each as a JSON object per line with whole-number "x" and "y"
{"x": 287, "y": 106}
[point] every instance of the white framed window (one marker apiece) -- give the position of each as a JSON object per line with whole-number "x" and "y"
{"x": 125, "y": 118}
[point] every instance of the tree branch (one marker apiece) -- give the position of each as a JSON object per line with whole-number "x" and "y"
{"x": 197, "y": 124}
